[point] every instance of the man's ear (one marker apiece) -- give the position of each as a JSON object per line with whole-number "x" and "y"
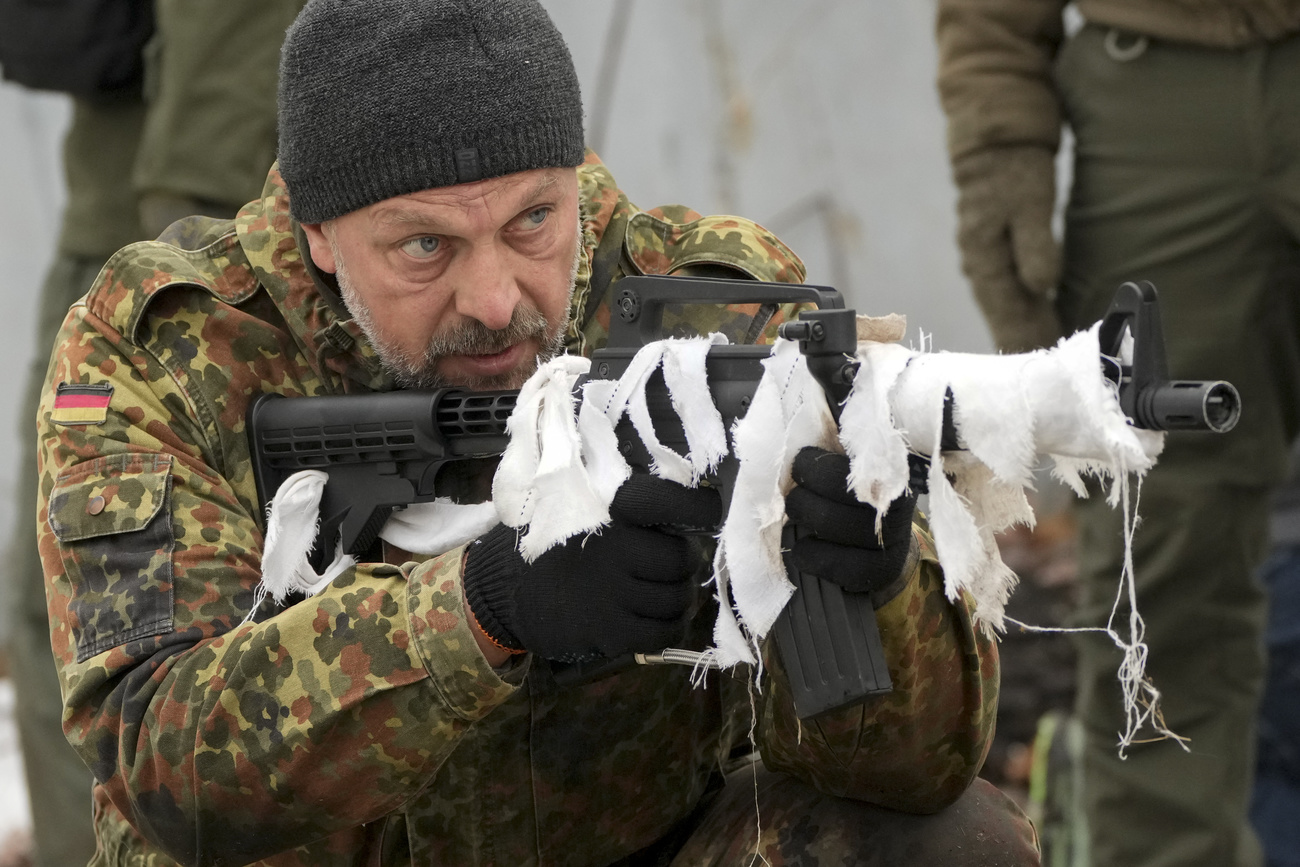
{"x": 319, "y": 247}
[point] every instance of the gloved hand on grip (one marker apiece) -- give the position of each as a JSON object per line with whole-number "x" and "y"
{"x": 623, "y": 590}
{"x": 835, "y": 534}
{"x": 1006, "y": 197}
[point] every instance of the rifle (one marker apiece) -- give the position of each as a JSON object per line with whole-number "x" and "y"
{"x": 388, "y": 450}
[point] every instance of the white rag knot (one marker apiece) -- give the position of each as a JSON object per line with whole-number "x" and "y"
{"x": 562, "y": 467}
{"x": 542, "y": 483}
{"x": 293, "y": 520}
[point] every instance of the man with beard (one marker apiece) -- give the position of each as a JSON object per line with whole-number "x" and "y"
{"x": 434, "y": 220}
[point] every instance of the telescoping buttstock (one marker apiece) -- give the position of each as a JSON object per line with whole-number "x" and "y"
{"x": 381, "y": 452}
{"x": 385, "y": 451}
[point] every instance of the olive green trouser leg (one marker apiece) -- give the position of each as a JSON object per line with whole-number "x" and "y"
{"x": 100, "y": 216}
{"x": 210, "y": 83}
{"x": 1188, "y": 175}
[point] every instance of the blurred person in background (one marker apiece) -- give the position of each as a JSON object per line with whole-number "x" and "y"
{"x": 1276, "y": 802}
{"x": 173, "y": 113}
{"x": 1186, "y": 173}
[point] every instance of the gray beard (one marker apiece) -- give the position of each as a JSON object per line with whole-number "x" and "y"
{"x": 471, "y": 338}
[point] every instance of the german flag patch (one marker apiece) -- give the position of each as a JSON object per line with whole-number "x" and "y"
{"x": 81, "y": 404}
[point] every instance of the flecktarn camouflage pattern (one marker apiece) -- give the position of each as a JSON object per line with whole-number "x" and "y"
{"x": 362, "y": 725}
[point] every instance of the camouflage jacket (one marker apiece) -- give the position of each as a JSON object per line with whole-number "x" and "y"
{"x": 362, "y": 725}
{"x": 996, "y": 56}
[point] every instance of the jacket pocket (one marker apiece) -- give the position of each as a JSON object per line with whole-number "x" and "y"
{"x": 112, "y": 518}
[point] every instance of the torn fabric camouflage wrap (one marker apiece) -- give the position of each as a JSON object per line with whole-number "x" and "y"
{"x": 362, "y": 725}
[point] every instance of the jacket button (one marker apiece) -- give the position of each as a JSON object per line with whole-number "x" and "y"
{"x": 95, "y": 506}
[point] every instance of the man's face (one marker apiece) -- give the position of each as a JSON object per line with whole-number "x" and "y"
{"x": 464, "y": 285}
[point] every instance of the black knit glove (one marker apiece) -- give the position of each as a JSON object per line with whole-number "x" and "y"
{"x": 835, "y": 535}
{"x": 627, "y": 589}
{"x": 1006, "y": 196}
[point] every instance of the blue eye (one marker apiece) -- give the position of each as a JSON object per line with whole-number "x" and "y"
{"x": 423, "y": 247}
{"x": 537, "y": 217}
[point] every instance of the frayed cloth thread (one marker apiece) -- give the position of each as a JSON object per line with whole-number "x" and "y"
{"x": 1141, "y": 698}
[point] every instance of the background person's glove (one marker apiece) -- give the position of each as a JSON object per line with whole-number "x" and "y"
{"x": 627, "y": 589}
{"x": 835, "y": 535}
{"x": 1006, "y": 197}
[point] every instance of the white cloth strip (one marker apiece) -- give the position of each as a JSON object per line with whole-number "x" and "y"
{"x": 562, "y": 468}
{"x": 293, "y": 518}
{"x": 437, "y": 527}
{"x": 291, "y": 525}
{"x": 542, "y": 484}
{"x": 1010, "y": 413}
{"x": 788, "y": 412}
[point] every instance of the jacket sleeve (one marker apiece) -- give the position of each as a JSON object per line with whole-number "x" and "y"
{"x": 914, "y": 749}
{"x": 224, "y": 741}
{"x": 995, "y": 72}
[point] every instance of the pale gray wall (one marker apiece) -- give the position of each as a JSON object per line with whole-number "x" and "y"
{"x": 818, "y": 118}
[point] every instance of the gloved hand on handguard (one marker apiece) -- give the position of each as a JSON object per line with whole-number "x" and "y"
{"x": 835, "y": 535}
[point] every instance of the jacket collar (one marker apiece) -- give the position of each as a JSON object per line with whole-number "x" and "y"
{"x": 329, "y": 338}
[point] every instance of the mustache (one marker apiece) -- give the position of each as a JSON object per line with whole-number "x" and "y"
{"x": 475, "y": 338}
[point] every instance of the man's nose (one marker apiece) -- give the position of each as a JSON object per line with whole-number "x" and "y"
{"x": 488, "y": 290}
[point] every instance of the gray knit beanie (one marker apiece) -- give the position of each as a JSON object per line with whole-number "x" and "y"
{"x": 379, "y": 98}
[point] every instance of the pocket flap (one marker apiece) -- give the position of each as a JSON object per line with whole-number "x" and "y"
{"x": 108, "y": 495}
